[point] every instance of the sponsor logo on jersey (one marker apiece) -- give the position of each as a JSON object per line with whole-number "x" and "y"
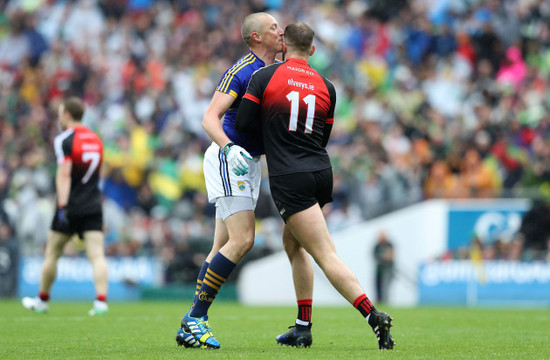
{"x": 300, "y": 84}
{"x": 241, "y": 185}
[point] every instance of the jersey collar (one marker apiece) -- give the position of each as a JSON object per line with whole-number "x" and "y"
{"x": 299, "y": 61}
{"x": 258, "y": 58}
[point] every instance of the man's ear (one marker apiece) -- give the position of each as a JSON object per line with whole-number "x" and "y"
{"x": 312, "y": 51}
{"x": 256, "y": 36}
{"x": 284, "y": 48}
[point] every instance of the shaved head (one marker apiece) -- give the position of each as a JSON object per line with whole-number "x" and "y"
{"x": 255, "y": 22}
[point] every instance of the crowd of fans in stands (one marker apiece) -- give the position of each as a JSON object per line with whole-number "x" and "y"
{"x": 436, "y": 98}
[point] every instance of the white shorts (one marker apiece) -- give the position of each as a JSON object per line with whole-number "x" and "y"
{"x": 222, "y": 182}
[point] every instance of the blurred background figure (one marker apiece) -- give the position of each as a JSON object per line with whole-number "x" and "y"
{"x": 384, "y": 258}
{"x": 9, "y": 253}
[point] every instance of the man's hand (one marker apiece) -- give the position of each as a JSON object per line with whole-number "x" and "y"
{"x": 62, "y": 216}
{"x": 236, "y": 158}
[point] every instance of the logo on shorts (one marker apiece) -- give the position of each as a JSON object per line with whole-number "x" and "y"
{"x": 283, "y": 210}
{"x": 241, "y": 185}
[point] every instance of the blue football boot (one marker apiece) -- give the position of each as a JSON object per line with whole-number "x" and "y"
{"x": 187, "y": 340}
{"x": 200, "y": 329}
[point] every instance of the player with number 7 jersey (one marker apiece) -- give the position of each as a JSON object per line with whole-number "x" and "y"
{"x": 297, "y": 112}
{"x": 81, "y": 146}
{"x": 79, "y": 154}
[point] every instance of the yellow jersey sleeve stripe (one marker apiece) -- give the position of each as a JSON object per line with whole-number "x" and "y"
{"x": 229, "y": 76}
{"x": 232, "y": 70}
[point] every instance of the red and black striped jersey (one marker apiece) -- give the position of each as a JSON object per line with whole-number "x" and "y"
{"x": 85, "y": 149}
{"x": 293, "y": 105}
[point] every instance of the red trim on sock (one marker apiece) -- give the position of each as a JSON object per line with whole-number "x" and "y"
{"x": 102, "y": 298}
{"x": 366, "y": 307}
{"x": 358, "y": 300}
{"x": 305, "y": 302}
{"x": 43, "y": 296}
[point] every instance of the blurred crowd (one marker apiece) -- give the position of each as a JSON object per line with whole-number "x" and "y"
{"x": 436, "y": 98}
{"x": 531, "y": 241}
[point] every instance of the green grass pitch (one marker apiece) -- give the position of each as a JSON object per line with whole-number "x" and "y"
{"x": 146, "y": 330}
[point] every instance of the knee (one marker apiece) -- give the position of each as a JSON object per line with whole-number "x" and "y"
{"x": 95, "y": 256}
{"x": 247, "y": 243}
{"x": 242, "y": 245}
{"x": 52, "y": 255}
{"x": 290, "y": 248}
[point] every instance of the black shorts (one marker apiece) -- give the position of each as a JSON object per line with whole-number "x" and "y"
{"x": 295, "y": 192}
{"x": 78, "y": 224}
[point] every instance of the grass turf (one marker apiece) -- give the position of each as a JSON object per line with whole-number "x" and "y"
{"x": 146, "y": 330}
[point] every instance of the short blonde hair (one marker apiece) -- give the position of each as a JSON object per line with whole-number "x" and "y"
{"x": 253, "y": 23}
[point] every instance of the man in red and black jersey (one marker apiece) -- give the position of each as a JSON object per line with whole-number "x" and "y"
{"x": 79, "y": 154}
{"x": 293, "y": 106}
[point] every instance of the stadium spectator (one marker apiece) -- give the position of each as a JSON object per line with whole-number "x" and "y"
{"x": 384, "y": 257}
{"x": 9, "y": 251}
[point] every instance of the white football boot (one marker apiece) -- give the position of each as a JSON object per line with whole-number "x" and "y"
{"x": 35, "y": 304}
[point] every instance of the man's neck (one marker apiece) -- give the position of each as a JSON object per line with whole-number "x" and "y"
{"x": 268, "y": 57}
{"x": 290, "y": 55}
{"x": 72, "y": 124}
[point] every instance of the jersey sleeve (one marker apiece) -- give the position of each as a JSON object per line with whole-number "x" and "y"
{"x": 63, "y": 147}
{"x": 230, "y": 83}
{"x": 330, "y": 115}
{"x": 249, "y": 114}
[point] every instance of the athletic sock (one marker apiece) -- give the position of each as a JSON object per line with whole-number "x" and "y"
{"x": 304, "y": 312}
{"x": 363, "y": 304}
{"x": 200, "y": 278}
{"x": 44, "y": 296}
{"x": 219, "y": 269}
{"x": 102, "y": 298}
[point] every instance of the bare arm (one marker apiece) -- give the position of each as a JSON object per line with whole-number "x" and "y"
{"x": 211, "y": 121}
{"x": 63, "y": 182}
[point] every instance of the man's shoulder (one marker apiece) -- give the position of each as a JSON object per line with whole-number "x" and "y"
{"x": 236, "y": 77}
{"x": 84, "y": 133}
{"x": 62, "y": 136}
{"x": 269, "y": 69}
{"x": 247, "y": 64}
{"x": 83, "y": 129}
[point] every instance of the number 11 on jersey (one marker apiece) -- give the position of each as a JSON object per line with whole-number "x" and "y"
{"x": 309, "y": 100}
